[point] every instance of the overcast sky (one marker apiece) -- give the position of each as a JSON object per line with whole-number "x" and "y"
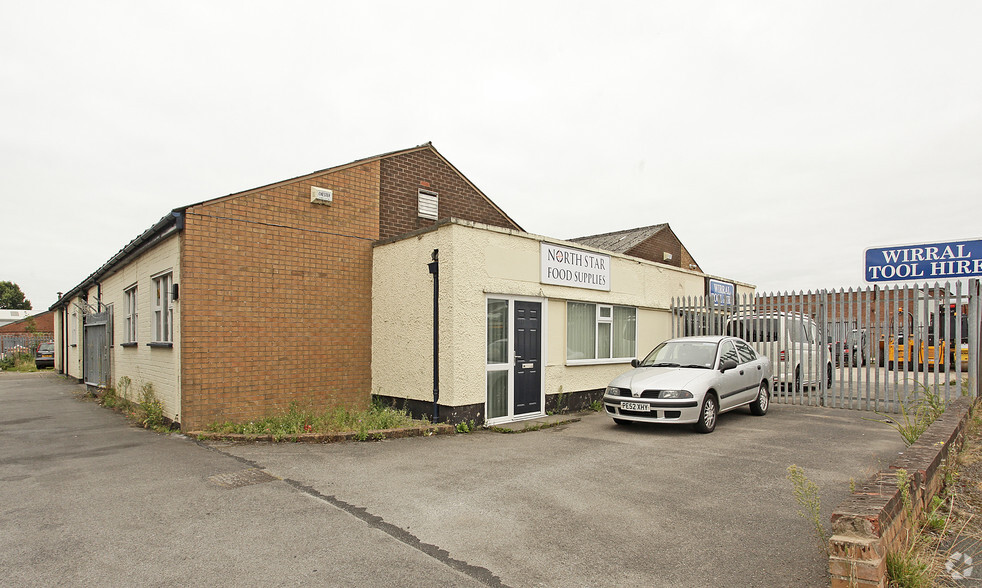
{"x": 778, "y": 139}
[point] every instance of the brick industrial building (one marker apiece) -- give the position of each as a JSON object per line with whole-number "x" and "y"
{"x": 239, "y": 305}
{"x": 315, "y": 290}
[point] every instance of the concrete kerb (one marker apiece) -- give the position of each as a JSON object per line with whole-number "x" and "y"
{"x": 877, "y": 519}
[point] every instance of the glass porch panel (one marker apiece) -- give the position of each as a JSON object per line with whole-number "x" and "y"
{"x": 497, "y": 393}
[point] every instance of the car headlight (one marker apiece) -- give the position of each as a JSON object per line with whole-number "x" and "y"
{"x": 612, "y": 391}
{"x": 675, "y": 394}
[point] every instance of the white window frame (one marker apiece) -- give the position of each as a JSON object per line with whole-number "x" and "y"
{"x": 73, "y": 329}
{"x": 609, "y": 320}
{"x": 509, "y": 366}
{"x": 163, "y": 307}
{"x": 130, "y": 314}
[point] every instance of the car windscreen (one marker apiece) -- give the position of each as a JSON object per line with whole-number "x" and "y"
{"x": 693, "y": 354}
{"x": 46, "y": 347}
{"x": 755, "y": 329}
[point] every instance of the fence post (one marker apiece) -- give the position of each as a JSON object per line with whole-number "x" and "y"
{"x": 823, "y": 353}
{"x": 973, "y": 336}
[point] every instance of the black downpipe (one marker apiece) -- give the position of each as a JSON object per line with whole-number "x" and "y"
{"x": 435, "y": 270}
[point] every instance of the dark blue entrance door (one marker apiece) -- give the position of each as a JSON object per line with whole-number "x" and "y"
{"x": 528, "y": 363}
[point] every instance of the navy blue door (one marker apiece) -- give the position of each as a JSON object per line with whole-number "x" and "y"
{"x": 528, "y": 348}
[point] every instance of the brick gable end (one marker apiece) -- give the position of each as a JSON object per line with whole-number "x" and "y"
{"x": 403, "y": 175}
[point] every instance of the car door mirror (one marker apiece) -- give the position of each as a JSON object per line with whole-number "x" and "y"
{"x": 727, "y": 364}
{"x": 635, "y": 362}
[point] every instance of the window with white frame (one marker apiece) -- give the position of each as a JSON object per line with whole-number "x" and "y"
{"x": 600, "y": 332}
{"x": 129, "y": 315}
{"x": 163, "y": 309}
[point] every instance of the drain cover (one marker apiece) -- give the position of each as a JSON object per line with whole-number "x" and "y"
{"x": 242, "y": 478}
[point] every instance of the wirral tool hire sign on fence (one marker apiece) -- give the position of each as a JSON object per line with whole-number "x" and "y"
{"x": 956, "y": 259}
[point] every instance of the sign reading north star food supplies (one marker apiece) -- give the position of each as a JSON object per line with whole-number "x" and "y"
{"x": 932, "y": 261}
{"x": 571, "y": 267}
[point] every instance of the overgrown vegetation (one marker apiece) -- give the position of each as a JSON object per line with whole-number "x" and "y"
{"x": 916, "y": 415}
{"x": 298, "y": 420}
{"x": 148, "y": 412}
{"x": 906, "y": 570}
{"x": 907, "y": 567}
{"x": 809, "y": 502}
{"x": 952, "y": 519}
{"x": 466, "y": 426}
{"x": 18, "y": 362}
{"x": 153, "y": 408}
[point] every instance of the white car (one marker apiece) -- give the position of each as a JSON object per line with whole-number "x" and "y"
{"x": 793, "y": 341}
{"x": 691, "y": 380}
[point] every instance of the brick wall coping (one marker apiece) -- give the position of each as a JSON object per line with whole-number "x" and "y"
{"x": 873, "y": 522}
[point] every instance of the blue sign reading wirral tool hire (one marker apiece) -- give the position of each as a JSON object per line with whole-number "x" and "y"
{"x": 957, "y": 259}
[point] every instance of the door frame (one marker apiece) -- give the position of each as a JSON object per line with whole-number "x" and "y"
{"x": 543, "y": 347}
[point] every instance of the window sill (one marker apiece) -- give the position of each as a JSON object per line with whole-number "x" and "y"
{"x": 164, "y": 345}
{"x": 599, "y": 361}
{"x": 130, "y": 344}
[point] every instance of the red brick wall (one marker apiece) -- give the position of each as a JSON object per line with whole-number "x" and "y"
{"x": 403, "y": 175}
{"x": 654, "y": 247}
{"x": 43, "y": 323}
{"x": 276, "y": 299}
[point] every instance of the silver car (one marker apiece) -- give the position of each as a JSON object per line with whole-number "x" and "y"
{"x": 691, "y": 380}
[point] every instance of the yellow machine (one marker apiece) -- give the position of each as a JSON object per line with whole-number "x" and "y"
{"x": 934, "y": 348}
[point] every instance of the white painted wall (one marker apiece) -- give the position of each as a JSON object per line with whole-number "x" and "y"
{"x": 477, "y": 261}
{"x": 142, "y": 364}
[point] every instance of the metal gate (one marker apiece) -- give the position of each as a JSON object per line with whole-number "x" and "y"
{"x": 95, "y": 356}
{"x": 867, "y": 348}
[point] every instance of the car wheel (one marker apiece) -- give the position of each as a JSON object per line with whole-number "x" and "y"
{"x": 759, "y": 406}
{"x": 707, "y": 415}
{"x": 828, "y": 376}
{"x": 623, "y": 422}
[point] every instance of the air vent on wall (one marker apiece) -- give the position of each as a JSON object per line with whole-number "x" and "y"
{"x": 428, "y": 204}
{"x": 321, "y": 195}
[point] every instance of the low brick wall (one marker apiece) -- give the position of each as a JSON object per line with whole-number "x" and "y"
{"x": 873, "y": 521}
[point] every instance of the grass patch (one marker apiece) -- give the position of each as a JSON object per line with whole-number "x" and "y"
{"x": 20, "y": 362}
{"x": 299, "y": 420}
{"x": 906, "y": 570}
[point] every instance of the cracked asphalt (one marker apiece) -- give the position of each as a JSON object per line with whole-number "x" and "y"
{"x": 87, "y": 499}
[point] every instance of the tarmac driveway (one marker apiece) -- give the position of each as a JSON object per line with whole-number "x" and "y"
{"x": 594, "y": 504}
{"x": 85, "y": 499}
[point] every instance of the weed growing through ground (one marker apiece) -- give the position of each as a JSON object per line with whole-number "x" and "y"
{"x": 466, "y": 426}
{"x": 916, "y": 415}
{"x": 153, "y": 408}
{"x": 809, "y": 502}
{"x": 596, "y": 406}
{"x": 905, "y": 570}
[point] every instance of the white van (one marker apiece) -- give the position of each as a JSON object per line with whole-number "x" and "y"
{"x": 793, "y": 342}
